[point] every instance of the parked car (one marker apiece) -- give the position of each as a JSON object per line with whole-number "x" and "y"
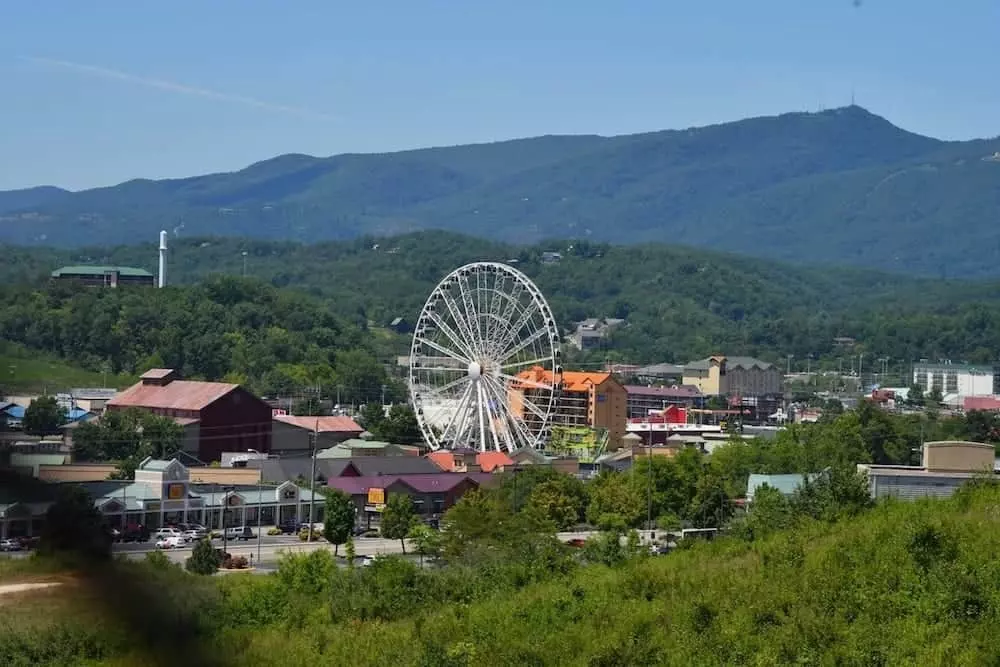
{"x": 135, "y": 532}
{"x": 170, "y": 542}
{"x": 240, "y": 533}
{"x": 169, "y": 531}
{"x": 28, "y": 542}
{"x": 193, "y": 531}
{"x": 289, "y": 527}
{"x": 365, "y": 561}
{"x": 10, "y": 544}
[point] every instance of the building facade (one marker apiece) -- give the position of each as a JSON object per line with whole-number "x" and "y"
{"x": 104, "y": 276}
{"x": 961, "y": 379}
{"x": 946, "y": 466}
{"x": 731, "y": 376}
{"x": 641, "y": 401}
{"x": 217, "y": 416}
{"x": 292, "y": 434}
{"x": 595, "y": 400}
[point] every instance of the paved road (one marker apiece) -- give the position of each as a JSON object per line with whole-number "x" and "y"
{"x": 272, "y": 547}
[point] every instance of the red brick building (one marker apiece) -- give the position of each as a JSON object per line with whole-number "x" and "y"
{"x": 217, "y": 416}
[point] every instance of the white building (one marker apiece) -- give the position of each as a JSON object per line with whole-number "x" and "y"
{"x": 958, "y": 379}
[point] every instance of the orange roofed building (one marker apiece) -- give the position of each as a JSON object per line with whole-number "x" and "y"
{"x": 595, "y": 400}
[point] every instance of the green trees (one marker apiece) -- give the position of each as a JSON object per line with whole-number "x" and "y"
{"x": 398, "y": 518}
{"x": 44, "y": 416}
{"x": 426, "y": 541}
{"x": 74, "y": 526}
{"x": 614, "y": 494}
{"x": 127, "y": 436}
{"x": 204, "y": 559}
{"x": 400, "y": 426}
{"x": 338, "y": 518}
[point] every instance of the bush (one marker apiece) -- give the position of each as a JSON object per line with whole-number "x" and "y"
{"x": 204, "y": 559}
{"x": 304, "y": 535}
{"x": 274, "y": 530}
{"x": 159, "y": 560}
{"x": 236, "y": 563}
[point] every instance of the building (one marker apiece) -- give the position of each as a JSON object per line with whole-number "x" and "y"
{"x": 217, "y": 416}
{"x": 734, "y": 376}
{"x": 470, "y": 460}
{"x": 592, "y": 333}
{"x": 641, "y": 401}
{"x": 945, "y": 466}
{"x": 282, "y": 469}
{"x": 105, "y": 276}
{"x": 431, "y": 494}
{"x": 595, "y": 400}
{"x": 787, "y": 485}
{"x": 670, "y": 374}
{"x": 92, "y": 399}
{"x": 291, "y": 434}
{"x": 959, "y": 379}
{"x": 163, "y": 493}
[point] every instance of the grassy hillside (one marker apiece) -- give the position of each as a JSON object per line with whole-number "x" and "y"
{"x": 680, "y": 303}
{"x": 840, "y": 186}
{"x": 31, "y": 371}
{"x": 904, "y": 584}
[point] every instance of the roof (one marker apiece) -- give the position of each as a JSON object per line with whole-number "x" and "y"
{"x": 731, "y": 362}
{"x": 786, "y": 484}
{"x": 571, "y": 380}
{"x": 958, "y": 368}
{"x": 177, "y": 395}
{"x": 321, "y": 424}
{"x": 443, "y": 459}
{"x": 439, "y": 482}
{"x": 157, "y": 373}
{"x": 100, "y": 270}
{"x": 681, "y": 391}
{"x": 90, "y": 393}
{"x": 15, "y": 411}
{"x": 154, "y": 464}
{"x": 489, "y": 461}
{"x": 981, "y": 403}
{"x": 660, "y": 369}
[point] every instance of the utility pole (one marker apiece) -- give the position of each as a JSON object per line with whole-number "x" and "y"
{"x": 312, "y": 479}
{"x": 244, "y": 263}
{"x": 649, "y": 486}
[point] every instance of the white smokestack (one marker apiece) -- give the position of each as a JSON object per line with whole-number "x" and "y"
{"x": 163, "y": 259}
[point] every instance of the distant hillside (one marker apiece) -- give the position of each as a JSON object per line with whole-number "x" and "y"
{"x": 841, "y": 186}
{"x": 679, "y": 303}
{"x": 19, "y": 200}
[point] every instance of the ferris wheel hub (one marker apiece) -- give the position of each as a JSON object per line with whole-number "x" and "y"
{"x": 475, "y": 370}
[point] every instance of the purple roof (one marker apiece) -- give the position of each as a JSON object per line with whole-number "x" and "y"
{"x": 681, "y": 391}
{"x": 439, "y": 482}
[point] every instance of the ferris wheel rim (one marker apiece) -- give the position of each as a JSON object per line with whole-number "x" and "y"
{"x": 481, "y": 355}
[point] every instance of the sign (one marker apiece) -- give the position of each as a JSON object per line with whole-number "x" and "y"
{"x": 374, "y": 508}
{"x": 175, "y": 491}
{"x": 376, "y": 496}
{"x": 233, "y": 500}
{"x": 288, "y": 494}
{"x": 278, "y": 412}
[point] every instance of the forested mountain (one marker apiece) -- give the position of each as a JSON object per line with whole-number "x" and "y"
{"x": 679, "y": 304}
{"x": 841, "y": 186}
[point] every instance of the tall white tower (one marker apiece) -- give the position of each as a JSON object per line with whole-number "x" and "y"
{"x": 163, "y": 259}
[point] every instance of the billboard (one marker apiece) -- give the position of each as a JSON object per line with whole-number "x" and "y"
{"x": 175, "y": 492}
{"x": 376, "y": 496}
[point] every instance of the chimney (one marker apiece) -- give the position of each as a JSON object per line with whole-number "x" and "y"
{"x": 163, "y": 259}
{"x": 158, "y": 377}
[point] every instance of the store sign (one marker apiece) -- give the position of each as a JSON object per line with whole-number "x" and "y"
{"x": 376, "y": 496}
{"x": 375, "y": 508}
{"x": 278, "y": 412}
{"x": 288, "y": 494}
{"x": 175, "y": 491}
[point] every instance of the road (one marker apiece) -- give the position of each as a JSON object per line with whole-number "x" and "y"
{"x": 272, "y": 547}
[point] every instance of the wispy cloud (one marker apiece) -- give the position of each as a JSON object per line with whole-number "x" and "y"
{"x": 173, "y": 87}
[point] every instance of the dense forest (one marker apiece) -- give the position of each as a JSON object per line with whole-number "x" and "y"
{"x": 842, "y": 186}
{"x": 276, "y": 342}
{"x": 679, "y": 304}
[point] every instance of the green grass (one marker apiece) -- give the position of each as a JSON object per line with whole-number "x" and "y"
{"x": 23, "y": 370}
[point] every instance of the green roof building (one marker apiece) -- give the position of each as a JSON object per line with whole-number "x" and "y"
{"x": 105, "y": 276}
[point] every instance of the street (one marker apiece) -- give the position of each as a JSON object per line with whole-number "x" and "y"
{"x": 273, "y": 546}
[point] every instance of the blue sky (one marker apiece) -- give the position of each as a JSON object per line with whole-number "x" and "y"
{"x": 94, "y": 93}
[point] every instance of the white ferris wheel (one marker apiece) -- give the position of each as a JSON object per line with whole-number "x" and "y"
{"x": 485, "y": 362}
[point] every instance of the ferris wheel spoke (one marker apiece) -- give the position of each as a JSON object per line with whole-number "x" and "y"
{"x": 497, "y": 415}
{"x": 530, "y": 404}
{"x": 539, "y": 361}
{"x": 471, "y": 314}
{"x": 444, "y": 369}
{"x": 452, "y": 336}
{"x": 510, "y": 335}
{"x": 524, "y": 344}
{"x": 516, "y": 426}
{"x": 443, "y": 350}
{"x": 437, "y": 391}
{"x": 455, "y": 310}
{"x": 482, "y": 403}
{"x": 528, "y": 382}
{"x": 458, "y": 415}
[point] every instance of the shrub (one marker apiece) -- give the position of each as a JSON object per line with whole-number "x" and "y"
{"x": 304, "y": 535}
{"x": 274, "y": 530}
{"x": 237, "y": 563}
{"x": 159, "y": 560}
{"x": 204, "y": 559}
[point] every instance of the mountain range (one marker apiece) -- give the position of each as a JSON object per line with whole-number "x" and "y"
{"x": 842, "y": 186}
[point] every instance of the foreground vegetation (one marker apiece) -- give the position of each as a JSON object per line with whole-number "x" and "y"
{"x": 905, "y": 583}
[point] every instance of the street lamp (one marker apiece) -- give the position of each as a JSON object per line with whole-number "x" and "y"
{"x": 244, "y": 263}
{"x": 225, "y": 506}
{"x": 260, "y": 500}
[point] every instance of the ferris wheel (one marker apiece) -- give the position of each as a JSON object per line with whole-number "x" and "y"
{"x": 485, "y": 361}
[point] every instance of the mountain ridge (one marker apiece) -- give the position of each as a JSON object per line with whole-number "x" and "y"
{"x": 842, "y": 186}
